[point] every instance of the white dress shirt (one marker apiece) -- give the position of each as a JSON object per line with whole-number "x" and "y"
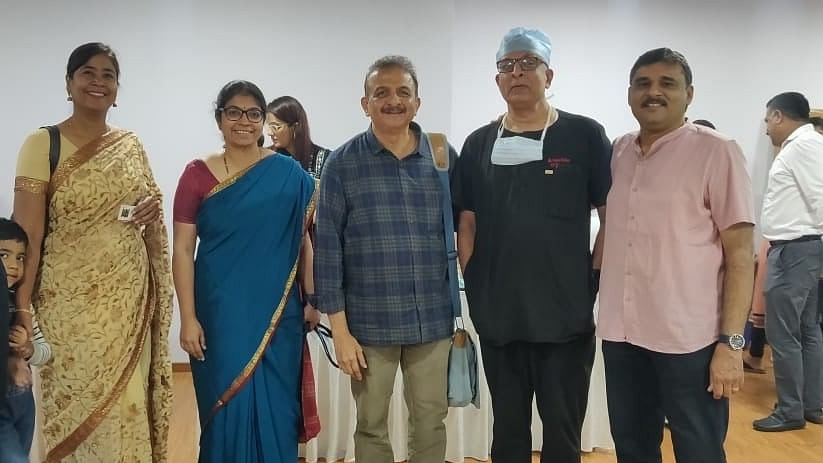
{"x": 793, "y": 204}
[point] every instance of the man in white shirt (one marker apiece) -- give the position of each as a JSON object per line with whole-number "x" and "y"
{"x": 793, "y": 222}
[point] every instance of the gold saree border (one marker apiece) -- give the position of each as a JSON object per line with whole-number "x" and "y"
{"x": 83, "y": 155}
{"x": 68, "y": 445}
{"x": 31, "y": 185}
{"x": 252, "y": 364}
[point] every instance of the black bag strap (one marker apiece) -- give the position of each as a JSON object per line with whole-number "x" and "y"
{"x": 54, "y": 147}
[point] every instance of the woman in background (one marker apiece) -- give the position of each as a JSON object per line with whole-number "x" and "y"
{"x": 289, "y": 131}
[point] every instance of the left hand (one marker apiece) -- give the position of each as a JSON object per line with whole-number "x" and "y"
{"x": 725, "y": 372}
{"x": 147, "y": 211}
{"x": 19, "y": 341}
{"x": 311, "y": 316}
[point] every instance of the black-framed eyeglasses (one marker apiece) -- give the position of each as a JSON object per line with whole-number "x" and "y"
{"x": 233, "y": 113}
{"x": 527, "y": 63}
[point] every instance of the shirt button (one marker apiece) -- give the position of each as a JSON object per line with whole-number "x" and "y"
{"x": 634, "y": 190}
{"x": 630, "y": 244}
{"x": 631, "y": 218}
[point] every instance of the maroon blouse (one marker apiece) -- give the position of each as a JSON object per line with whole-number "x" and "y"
{"x": 195, "y": 183}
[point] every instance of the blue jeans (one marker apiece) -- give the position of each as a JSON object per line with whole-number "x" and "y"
{"x": 17, "y": 425}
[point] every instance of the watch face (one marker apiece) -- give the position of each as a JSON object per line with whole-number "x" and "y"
{"x": 737, "y": 341}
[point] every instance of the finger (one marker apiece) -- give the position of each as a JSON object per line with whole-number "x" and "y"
{"x": 202, "y": 341}
{"x": 718, "y": 390}
{"x": 355, "y": 369}
{"x": 361, "y": 358}
{"x": 197, "y": 352}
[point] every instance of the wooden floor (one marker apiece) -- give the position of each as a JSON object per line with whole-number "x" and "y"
{"x": 742, "y": 445}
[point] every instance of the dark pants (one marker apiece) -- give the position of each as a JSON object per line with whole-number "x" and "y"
{"x": 17, "y": 425}
{"x": 643, "y": 387}
{"x": 793, "y": 327}
{"x": 558, "y": 375}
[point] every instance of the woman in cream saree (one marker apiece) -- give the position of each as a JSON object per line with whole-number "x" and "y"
{"x": 103, "y": 299}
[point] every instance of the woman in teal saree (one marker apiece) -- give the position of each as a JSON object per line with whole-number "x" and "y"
{"x": 241, "y": 312}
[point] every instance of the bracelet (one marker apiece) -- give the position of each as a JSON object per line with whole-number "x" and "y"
{"x": 30, "y": 310}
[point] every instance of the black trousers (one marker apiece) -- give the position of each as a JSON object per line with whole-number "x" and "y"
{"x": 643, "y": 387}
{"x": 558, "y": 376}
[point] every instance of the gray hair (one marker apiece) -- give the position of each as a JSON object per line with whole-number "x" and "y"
{"x": 391, "y": 61}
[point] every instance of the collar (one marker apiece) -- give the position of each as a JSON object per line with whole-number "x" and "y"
{"x": 376, "y": 148}
{"x": 798, "y": 132}
{"x": 687, "y": 127}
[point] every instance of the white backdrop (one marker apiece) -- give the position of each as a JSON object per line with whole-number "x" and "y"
{"x": 175, "y": 55}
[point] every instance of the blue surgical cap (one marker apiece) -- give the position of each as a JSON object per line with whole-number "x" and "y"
{"x": 522, "y": 39}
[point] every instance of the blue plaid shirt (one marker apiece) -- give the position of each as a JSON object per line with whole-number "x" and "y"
{"x": 380, "y": 254}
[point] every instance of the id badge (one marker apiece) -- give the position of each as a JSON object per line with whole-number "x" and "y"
{"x": 126, "y": 213}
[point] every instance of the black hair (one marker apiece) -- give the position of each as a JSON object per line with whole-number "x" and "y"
{"x": 392, "y": 61}
{"x": 235, "y": 88}
{"x": 704, "y": 123}
{"x": 793, "y": 105}
{"x": 11, "y": 230}
{"x": 289, "y": 110}
{"x": 82, "y": 54}
{"x": 662, "y": 55}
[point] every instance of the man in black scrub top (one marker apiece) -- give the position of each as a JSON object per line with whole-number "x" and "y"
{"x": 525, "y": 186}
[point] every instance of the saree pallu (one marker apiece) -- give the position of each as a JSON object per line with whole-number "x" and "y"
{"x": 103, "y": 297}
{"x": 251, "y": 228}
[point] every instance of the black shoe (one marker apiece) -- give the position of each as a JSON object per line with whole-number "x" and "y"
{"x": 814, "y": 416}
{"x": 773, "y": 423}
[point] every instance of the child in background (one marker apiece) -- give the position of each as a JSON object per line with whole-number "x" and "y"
{"x": 18, "y": 412}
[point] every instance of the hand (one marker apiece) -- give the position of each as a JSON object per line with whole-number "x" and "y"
{"x": 725, "y": 372}
{"x": 311, "y": 316}
{"x": 349, "y": 355}
{"x": 192, "y": 338}
{"x": 147, "y": 211}
{"x": 19, "y": 372}
{"x": 20, "y": 342}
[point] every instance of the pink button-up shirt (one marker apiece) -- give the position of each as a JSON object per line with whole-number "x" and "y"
{"x": 662, "y": 277}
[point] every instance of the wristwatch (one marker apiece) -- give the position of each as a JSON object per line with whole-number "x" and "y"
{"x": 734, "y": 341}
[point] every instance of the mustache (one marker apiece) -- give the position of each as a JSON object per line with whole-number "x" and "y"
{"x": 649, "y": 101}
{"x": 393, "y": 109}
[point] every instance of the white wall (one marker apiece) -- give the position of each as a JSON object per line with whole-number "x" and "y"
{"x": 175, "y": 56}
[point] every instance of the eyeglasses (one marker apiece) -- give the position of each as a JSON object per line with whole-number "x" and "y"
{"x": 277, "y": 127}
{"x": 233, "y": 113}
{"x": 527, "y": 63}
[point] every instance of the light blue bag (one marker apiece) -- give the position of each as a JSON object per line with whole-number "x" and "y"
{"x": 463, "y": 369}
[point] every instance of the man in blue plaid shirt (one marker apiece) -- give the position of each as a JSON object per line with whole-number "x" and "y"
{"x": 380, "y": 268}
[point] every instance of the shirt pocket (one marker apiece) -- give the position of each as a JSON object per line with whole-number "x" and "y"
{"x": 564, "y": 192}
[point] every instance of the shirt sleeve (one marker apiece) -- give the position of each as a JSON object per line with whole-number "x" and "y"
{"x": 461, "y": 177}
{"x": 187, "y": 197}
{"x": 806, "y": 164}
{"x": 42, "y": 349}
{"x": 328, "y": 252}
{"x": 600, "y": 174}
{"x": 730, "y": 187}
{"x": 33, "y": 164}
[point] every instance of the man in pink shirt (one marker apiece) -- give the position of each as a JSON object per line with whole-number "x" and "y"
{"x": 677, "y": 272}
